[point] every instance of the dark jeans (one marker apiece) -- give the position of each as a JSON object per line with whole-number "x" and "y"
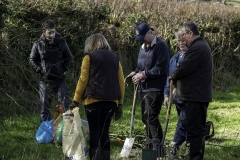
{"x": 196, "y": 113}
{"x": 180, "y": 133}
{"x": 47, "y": 91}
{"x": 151, "y": 103}
{"x": 99, "y": 116}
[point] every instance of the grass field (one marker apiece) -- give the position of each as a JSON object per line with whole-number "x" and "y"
{"x": 17, "y": 132}
{"x": 19, "y": 118}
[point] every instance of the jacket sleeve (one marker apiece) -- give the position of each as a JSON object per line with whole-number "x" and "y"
{"x": 162, "y": 60}
{"x": 83, "y": 79}
{"x": 121, "y": 83}
{"x": 171, "y": 68}
{"x": 166, "y": 88}
{"x": 34, "y": 59}
{"x": 67, "y": 57}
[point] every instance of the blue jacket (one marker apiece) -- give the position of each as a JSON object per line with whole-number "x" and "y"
{"x": 174, "y": 62}
{"x": 154, "y": 61}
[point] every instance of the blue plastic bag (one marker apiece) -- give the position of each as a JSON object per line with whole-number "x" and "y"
{"x": 45, "y": 132}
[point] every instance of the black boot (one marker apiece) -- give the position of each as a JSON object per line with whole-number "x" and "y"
{"x": 197, "y": 151}
{"x": 148, "y": 144}
{"x": 187, "y": 153}
{"x": 173, "y": 151}
{"x": 105, "y": 154}
{"x": 161, "y": 151}
{"x": 95, "y": 154}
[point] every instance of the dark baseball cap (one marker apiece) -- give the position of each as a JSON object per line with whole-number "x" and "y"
{"x": 141, "y": 31}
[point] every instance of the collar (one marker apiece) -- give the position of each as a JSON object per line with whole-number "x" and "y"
{"x": 154, "y": 41}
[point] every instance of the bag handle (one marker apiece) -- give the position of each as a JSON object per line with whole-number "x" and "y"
{"x": 59, "y": 111}
{"x": 212, "y": 126}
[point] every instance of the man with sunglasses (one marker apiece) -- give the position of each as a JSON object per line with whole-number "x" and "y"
{"x": 193, "y": 78}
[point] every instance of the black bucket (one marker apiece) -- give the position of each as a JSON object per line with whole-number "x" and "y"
{"x": 149, "y": 154}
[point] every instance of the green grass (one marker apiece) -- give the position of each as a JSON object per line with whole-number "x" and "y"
{"x": 224, "y": 112}
{"x": 17, "y": 131}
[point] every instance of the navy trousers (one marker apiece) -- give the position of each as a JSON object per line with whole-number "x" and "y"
{"x": 180, "y": 133}
{"x": 151, "y": 103}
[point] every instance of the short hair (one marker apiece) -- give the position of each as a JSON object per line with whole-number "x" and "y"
{"x": 178, "y": 35}
{"x": 96, "y": 41}
{"x": 48, "y": 24}
{"x": 190, "y": 26}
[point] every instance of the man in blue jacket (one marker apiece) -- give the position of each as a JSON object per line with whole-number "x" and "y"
{"x": 50, "y": 58}
{"x": 151, "y": 74}
{"x": 180, "y": 133}
{"x": 193, "y": 78}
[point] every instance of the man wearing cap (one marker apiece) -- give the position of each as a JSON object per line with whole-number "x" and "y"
{"x": 151, "y": 74}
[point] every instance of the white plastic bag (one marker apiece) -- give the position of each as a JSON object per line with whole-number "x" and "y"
{"x": 73, "y": 140}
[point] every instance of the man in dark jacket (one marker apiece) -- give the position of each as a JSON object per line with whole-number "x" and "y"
{"x": 151, "y": 74}
{"x": 50, "y": 58}
{"x": 193, "y": 78}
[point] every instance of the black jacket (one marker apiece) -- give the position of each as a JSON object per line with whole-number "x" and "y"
{"x": 194, "y": 74}
{"x": 50, "y": 60}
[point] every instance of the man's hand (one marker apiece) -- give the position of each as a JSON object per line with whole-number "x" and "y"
{"x": 174, "y": 81}
{"x": 138, "y": 77}
{"x": 118, "y": 112}
{"x": 166, "y": 102}
{"x": 73, "y": 104}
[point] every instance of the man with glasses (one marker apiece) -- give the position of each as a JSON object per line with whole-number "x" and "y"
{"x": 193, "y": 78}
{"x": 151, "y": 74}
{"x": 50, "y": 58}
{"x": 180, "y": 132}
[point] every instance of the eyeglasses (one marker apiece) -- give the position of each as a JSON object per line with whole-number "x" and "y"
{"x": 185, "y": 33}
{"x": 181, "y": 41}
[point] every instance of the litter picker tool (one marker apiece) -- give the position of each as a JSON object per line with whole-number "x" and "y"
{"x": 163, "y": 148}
{"x": 168, "y": 112}
{"x": 128, "y": 143}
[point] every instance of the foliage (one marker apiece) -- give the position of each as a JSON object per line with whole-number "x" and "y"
{"x": 20, "y": 26}
{"x": 76, "y": 20}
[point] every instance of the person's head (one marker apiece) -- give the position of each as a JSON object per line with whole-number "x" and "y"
{"x": 144, "y": 33}
{"x": 96, "y": 41}
{"x": 181, "y": 43}
{"x": 190, "y": 32}
{"x": 49, "y": 30}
